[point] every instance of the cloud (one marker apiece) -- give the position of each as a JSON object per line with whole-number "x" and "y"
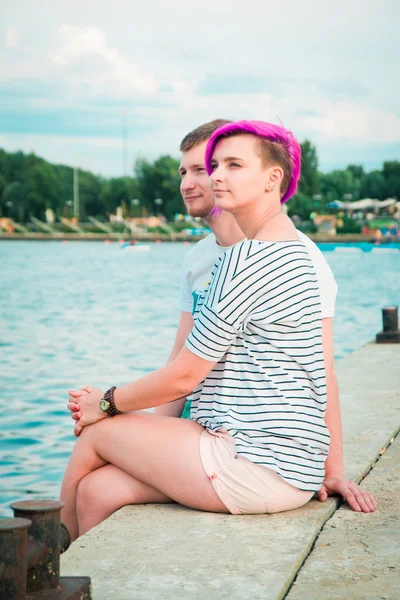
{"x": 315, "y": 70}
{"x": 346, "y": 120}
{"x": 234, "y": 84}
{"x": 48, "y": 120}
{"x": 12, "y": 37}
{"x": 78, "y": 44}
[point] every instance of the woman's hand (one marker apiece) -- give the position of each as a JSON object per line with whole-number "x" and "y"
{"x": 73, "y": 401}
{"x": 88, "y": 410}
{"x": 358, "y": 499}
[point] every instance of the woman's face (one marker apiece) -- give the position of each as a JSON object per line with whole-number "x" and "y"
{"x": 239, "y": 177}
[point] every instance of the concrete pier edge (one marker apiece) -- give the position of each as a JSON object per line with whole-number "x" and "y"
{"x": 367, "y": 554}
{"x": 167, "y": 551}
{"x": 338, "y": 504}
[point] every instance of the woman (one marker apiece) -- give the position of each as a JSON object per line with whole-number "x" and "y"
{"x": 265, "y": 432}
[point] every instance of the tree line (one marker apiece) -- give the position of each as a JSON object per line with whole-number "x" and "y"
{"x": 29, "y": 185}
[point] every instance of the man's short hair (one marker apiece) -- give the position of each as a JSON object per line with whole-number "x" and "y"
{"x": 201, "y": 134}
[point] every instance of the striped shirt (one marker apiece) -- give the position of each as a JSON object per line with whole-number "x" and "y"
{"x": 261, "y": 324}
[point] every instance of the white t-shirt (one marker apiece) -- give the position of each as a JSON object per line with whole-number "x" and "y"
{"x": 261, "y": 323}
{"x": 199, "y": 261}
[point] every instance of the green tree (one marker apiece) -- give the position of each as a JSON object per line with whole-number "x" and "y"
{"x": 116, "y": 191}
{"x": 159, "y": 180}
{"x": 304, "y": 202}
{"x": 14, "y": 200}
{"x": 373, "y": 186}
{"x": 391, "y": 174}
{"x": 337, "y": 185}
{"x": 3, "y": 183}
{"x": 16, "y": 167}
{"x": 309, "y": 183}
{"x": 357, "y": 171}
{"x": 300, "y": 205}
{"x": 89, "y": 195}
{"x": 43, "y": 187}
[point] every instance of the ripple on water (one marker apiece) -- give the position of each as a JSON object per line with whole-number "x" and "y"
{"x": 9, "y": 461}
{"x": 7, "y": 443}
{"x": 31, "y": 424}
{"x": 59, "y": 455}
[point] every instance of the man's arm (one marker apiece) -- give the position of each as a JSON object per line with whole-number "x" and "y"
{"x": 334, "y": 462}
{"x": 175, "y": 408}
{"x": 335, "y": 481}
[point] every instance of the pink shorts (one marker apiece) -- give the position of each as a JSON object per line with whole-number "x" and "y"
{"x": 243, "y": 486}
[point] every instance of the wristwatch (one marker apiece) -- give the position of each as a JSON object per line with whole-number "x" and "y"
{"x": 107, "y": 403}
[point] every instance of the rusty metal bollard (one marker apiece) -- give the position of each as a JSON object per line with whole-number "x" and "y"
{"x": 13, "y": 558}
{"x": 391, "y": 332}
{"x": 30, "y": 555}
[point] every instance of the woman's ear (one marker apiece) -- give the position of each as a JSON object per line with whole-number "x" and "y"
{"x": 275, "y": 176}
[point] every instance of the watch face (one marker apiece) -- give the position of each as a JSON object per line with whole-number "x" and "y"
{"x": 104, "y": 405}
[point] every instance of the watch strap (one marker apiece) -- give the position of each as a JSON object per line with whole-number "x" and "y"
{"x": 109, "y": 397}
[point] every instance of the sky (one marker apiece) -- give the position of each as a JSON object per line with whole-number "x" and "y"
{"x": 75, "y": 75}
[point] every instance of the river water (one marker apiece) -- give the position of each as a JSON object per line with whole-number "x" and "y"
{"x": 81, "y": 313}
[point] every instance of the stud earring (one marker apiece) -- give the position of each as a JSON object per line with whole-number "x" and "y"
{"x": 270, "y": 188}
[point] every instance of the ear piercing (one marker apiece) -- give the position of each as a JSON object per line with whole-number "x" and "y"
{"x": 270, "y": 187}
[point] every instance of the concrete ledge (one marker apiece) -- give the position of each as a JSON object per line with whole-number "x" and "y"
{"x": 168, "y": 551}
{"x": 357, "y": 555}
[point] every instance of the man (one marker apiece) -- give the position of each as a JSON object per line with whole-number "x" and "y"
{"x": 199, "y": 202}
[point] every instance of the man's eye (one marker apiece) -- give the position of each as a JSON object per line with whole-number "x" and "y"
{"x": 200, "y": 169}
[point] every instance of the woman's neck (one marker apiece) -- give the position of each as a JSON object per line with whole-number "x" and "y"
{"x": 259, "y": 218}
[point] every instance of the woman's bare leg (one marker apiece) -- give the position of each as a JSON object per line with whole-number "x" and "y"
{"x": 159, "y": 451}
{"x": 106, "y": 490}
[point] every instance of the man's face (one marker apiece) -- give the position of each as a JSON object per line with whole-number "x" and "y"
{"x": 195, "y": 185}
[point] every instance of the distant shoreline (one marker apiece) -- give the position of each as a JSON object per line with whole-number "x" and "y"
{"x": 163, "y": 237}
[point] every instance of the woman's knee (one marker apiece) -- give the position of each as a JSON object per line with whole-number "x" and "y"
{"x": 94, "y": 493}
{"x": 88, "y": 491}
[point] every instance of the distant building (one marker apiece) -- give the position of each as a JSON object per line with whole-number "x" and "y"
{"x": 6, "y": 224}
{"x": 146, "y": 221}
{"x": 383, "y": 228}
{"x": 325, "y": 224}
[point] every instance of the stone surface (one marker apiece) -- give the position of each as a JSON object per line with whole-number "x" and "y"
{"x": 169, "y": 552}
{"x": 357, "y": 555}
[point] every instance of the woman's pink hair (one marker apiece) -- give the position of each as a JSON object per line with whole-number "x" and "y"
{"x": 274, "y": 133}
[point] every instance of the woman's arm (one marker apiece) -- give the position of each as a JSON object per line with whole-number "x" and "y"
{"x": 175, "y": 380}
{"x": 335, "y": 482}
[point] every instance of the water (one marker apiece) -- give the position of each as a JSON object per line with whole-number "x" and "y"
{"x": 90, "y": 313}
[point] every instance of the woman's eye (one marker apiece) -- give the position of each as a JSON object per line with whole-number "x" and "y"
{"x": 213, "y": 167}
{"x": 200, "y": 169}
{"x": 233, "y": 164}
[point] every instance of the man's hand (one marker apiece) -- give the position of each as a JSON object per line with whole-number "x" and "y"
{"x": 88, "y": 410}
{"x": 358, "y": 499}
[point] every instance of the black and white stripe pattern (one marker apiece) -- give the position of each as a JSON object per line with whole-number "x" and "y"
{"x": 260, "y": 321}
